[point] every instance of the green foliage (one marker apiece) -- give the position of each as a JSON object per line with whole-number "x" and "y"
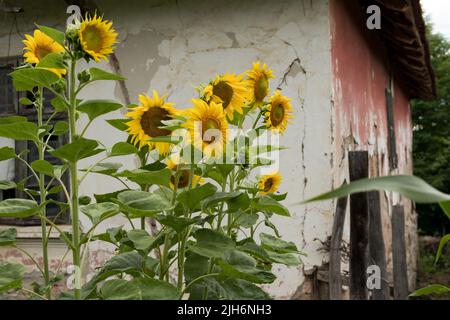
{"x": 432, "y": 136}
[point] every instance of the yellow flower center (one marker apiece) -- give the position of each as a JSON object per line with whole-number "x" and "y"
{"x": 268, "y": 185}
{"x": 209, "y": 124}
{"x": 261, "y": 88}
{"x": 277, "y": 114}
{"x": 224, "y": 91}
{"x": 151, "y": 121}
{"x": 183, "y": 178}
{"x": 93, "y": 38}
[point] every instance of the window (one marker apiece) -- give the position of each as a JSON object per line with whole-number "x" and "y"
{"x": 9, "y": 105}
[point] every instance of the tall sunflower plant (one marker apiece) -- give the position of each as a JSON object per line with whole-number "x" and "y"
{"x": 198, "y": 217}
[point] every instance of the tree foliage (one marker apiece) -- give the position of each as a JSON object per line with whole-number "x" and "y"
{"x": 432, "y": 136}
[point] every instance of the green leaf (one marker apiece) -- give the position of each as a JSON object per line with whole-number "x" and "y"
{"x": 446, "y": 207}
{"x": 52, "y": 60}
{"x": 277, "y": 245}
{"x": 7, "y": 153}
{"x": 431, "y": 289}
{"x": 288, "y": 259}
{"x": 25, "y": 101}
{"x": 123, "y": 149}
{"x": 19, "y": 131}
{"x": 59, "y": 104}
{"x": 153, "y": 289}
{"x": 240, "y": 202}
{"x": 119, "y": 289}
{"x": 100, "y": 211}
{"x": 211, "y": 244}
{"x": 141, "y": 239}
{"x": 246, "y": 219}
{"x": 238, "y": 264}
{"x": 239, "y": 289}
{"x": 411, "y": 187}
{"x": 195, "y": 266}
{"x": 270, "y": 205}
{"x": 8, "y": 237}
{"x": 176, "y": 223}
{"x": 219, "y": 197}
{"x": 107, "y": 197}
{"x": 44, "y": 167}
{"x": 18, "y": 208}
{"x": 108, "y": 168}
{"x": 119, "y": 123}
{"x": 191, "y": 198}
{"x": 96, "y": 108}
{"x": 141, "y": 203}
{"x": 442, "y": 243}
{"x": 27, "y": 79}
{"x": 60, "y": 128}
{"x": 99, "y": 74}
{"x": 77, "y": 150}
{"x": 55, "y": 34}
{"x": 6, "y": 185}
{"x": 128, "y": 262}
{"x": 12, "y": 119}
{"x": 11, "y": 275}
{"x": 145, "y": 177}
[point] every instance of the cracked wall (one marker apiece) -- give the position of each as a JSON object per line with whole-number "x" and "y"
{"x": 172, "y": 46}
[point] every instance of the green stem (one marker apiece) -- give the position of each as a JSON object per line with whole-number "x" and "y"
{"x": 74, "y": 177}
{"x": 43, "y": 197}
{"x": 196, "y": 280}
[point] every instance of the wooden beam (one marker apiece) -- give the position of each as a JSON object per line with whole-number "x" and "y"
{"x": 400, "y": 272}
{"x": 376, "y": 246}
{"x": 335, "y": 281}
{"x": 359, "y": 228}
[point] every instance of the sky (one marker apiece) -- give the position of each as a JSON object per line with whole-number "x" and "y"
{"x": 439, "y": 11}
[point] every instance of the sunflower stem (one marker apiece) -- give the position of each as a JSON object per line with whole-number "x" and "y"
{"x": 43, "y": 196}
{"x": 74, "y": 178}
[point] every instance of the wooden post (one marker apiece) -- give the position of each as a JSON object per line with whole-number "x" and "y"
{"x": 376, "y": 245}
{"x": 359, "y": 228}
{"x": 334, "y": 271}
{"x": 400, "y": 272}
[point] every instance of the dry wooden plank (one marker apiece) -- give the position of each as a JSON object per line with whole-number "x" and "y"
{"x": 359, "y": 228}
{"x": 376, "y": 246}
{"x": 400, "y": 272}
{"x": 335, "y": 280}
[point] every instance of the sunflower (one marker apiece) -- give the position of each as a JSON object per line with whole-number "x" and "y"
{"x": 269, "y": 183}
{"x": 279, "y": 112}
{"x": 40, "y": 45}
{"x": 229, "y": 90}
{"x": 258, "y": 81}
{"x": 201, "y": 118}
{"x": 146, "y": 122}
{"x": 183, "y": 176}
{"x": 97, "y": 37}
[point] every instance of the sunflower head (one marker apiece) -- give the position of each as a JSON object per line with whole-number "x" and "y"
{"x": 146, "y": 122}
{"x": 40, "y": 45}
{"x": 208, "y": 126}
{"x": 97, "y": 37}
{"x": 279, "y": 112}
{"x": 269, "y": 183}
{"x": 258, "y": 82}
{"x": 183, "y": 176}
{"x": 230, "y": 91}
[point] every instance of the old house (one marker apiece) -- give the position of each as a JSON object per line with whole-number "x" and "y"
{"x": 350, "y": 85}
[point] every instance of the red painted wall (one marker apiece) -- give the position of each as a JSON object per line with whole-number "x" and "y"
{"x": 360, "y": 77}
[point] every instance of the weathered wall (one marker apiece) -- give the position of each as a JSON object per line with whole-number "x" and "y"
{"x": 172, "y": 46}
{"x": 361, "y": 75}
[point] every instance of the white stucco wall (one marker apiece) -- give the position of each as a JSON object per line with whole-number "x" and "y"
{"x": 172, "y": 46}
